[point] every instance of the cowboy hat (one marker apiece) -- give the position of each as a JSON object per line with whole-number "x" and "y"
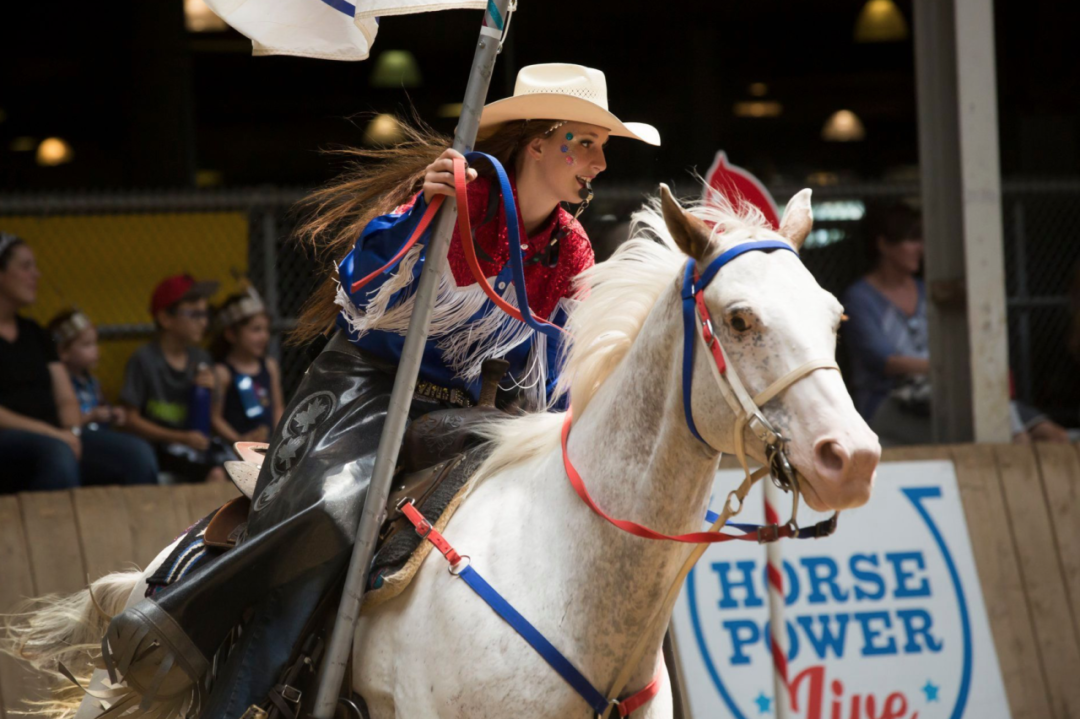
{"x": 559, "y": 91}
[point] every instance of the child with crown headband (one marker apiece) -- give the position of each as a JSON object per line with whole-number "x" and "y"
{"x": 250, "y": 403}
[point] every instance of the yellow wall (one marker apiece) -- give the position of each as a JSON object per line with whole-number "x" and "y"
{"x": 108, "y": 265}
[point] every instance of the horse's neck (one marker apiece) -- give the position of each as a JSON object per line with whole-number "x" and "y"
{"x": 640, "y": 462}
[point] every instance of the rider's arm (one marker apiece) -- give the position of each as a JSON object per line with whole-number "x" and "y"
{"x": 385, "y": 235}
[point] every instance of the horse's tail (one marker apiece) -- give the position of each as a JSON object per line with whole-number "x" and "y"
{"x": 56, "y": 630}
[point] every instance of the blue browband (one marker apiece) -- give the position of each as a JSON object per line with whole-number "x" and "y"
{"x": 691, "y": 288}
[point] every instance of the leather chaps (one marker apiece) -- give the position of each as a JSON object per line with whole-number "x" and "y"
{"x": 304, "y": 514}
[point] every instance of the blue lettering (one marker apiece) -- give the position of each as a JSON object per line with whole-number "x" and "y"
{"x": 826, "y": 639}
{"x": 827, "y": 577}
{"x": 916, "y": 622}
{"x": 870, "y": 634}
{"x": 792, "y": 640}
{"x": 903, "y": 575}
{"x": 743, "y": 632}
{"x": 722, "y": 570}
{"x": 867, "y": 575}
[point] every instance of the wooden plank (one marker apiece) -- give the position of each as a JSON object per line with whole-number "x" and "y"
{"x": 1002, "y": 585}
{"x": 17, "y": 585}
{"x": 1059, "y": 466}
{"x": 916, "y": 453}
{"x": 157, "y": 516}
{"x": 103, "y": 530}
{"x": 56, "y": 562}
{"x": 1041, "y": 574}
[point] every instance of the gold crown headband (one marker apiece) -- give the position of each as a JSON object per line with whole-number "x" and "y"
{"x": 248, "y": 306}
{"x": 70, "y": 328}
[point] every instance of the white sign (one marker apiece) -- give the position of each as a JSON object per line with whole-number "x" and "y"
{"x": 885, "y": 619}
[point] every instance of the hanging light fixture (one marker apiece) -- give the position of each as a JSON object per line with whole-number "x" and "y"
{"x": 198, "y": 17}
{"x": 880, "y": 21}
{"x": 383, "y": 129}
{"x": 396, "y": 68}
{"x": 53, "y": 151}
{"x": 843, "y": 126}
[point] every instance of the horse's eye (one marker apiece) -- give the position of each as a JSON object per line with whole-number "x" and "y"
{"x": 739, "y": 324}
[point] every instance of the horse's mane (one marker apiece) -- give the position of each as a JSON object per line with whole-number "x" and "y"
{"x": 616, "y": 297}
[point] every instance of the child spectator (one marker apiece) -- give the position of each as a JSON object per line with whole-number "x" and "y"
{"x": 250, "y": 403}
{"x": 163, "y": 380}
{"x": 77, "y": 346}
{"x": 42, "y": 442}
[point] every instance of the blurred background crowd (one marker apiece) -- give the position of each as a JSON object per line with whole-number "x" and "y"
{"x": 144, "y": 152}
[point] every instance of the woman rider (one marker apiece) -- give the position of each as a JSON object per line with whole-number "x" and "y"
{"x": 550, "y": 136}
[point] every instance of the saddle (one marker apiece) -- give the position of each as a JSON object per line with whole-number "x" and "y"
{"x": 266, "y": 564}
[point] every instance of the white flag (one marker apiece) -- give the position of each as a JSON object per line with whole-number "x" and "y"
{"x": 327, "y": 29}
{"x": 382, "y": 8}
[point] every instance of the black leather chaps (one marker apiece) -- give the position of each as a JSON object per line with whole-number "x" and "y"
{"x": 304, "y": 515}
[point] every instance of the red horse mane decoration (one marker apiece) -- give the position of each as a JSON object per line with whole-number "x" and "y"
{"x": 737, "y": 184}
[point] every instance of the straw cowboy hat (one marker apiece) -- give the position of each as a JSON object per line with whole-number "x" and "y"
{"x": 558, "y": 91}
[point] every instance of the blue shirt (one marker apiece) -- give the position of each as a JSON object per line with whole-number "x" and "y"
{"x": 450, "y": 358}
{"x": 876, "y": 330}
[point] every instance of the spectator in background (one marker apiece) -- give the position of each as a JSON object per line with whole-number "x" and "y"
{"x": 888, "y": 339}
{"x": 250, "y": 403}
{"x": 76, "y": 342}
{"x": 163, "y": 379}
{"x": 42, "y": 443}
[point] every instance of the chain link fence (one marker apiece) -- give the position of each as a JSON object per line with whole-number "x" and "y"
{"x": 104, "y": 252}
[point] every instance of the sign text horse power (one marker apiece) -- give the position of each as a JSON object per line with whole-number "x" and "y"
{"x": 885, "y": 620}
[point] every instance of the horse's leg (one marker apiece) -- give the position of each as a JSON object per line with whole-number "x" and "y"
{"x": 90, "y": 707}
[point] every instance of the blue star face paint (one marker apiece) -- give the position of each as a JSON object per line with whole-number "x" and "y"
{"x": 565, "y": 148}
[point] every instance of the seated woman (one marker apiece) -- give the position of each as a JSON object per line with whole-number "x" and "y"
{"x": 44, "y": 443}
{"x": 550, "y": 136}
{"x": 888, "y": 338}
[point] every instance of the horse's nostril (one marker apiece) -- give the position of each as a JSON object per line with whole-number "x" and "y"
{"x": 831, "y": 457}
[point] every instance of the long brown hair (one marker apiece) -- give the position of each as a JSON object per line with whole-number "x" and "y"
{"x": 375, "y": 181}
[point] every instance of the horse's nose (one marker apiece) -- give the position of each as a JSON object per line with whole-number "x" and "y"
{"x": 848, "y": 467}
{"x": 831, "y": 460}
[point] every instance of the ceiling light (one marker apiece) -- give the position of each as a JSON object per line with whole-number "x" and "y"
{"x": 843, "y": 126}
{"x": 396, "y": 68}
{"x": 198, "y": 17}
{"x": 53, "y": 151}
{"x": 452, "y": 109}
{"x": 880, "y": 21}
{"x": 383, "y": 130}
{"x": 758, "y": 108}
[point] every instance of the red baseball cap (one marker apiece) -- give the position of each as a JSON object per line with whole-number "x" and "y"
{"x": 179, "y": 288}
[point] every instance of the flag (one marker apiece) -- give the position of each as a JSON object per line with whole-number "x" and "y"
{"x": 326, "y": 29}
{"x": 735, "y": 183}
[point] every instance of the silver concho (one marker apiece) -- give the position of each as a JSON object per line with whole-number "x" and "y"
{"x": 296, "y": 435}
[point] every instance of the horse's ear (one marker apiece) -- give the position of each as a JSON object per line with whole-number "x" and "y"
{"x": 798, "y": 219}
{"x": 690, "y": 233}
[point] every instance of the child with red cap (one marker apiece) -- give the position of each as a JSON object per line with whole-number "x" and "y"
{"x": 164, "y": 377}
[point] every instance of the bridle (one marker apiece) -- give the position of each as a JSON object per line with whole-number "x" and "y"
{"x": 698, "y": 324}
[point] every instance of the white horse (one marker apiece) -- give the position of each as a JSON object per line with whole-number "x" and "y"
{"x": 437, "y": 650}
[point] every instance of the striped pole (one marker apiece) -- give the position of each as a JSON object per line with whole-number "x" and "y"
{"x": 777, "y": 625}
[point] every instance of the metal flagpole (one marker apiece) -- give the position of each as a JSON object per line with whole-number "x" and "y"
{"x": 337, "y": 654}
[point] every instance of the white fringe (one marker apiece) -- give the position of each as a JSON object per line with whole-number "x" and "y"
{"x": 464, "y": 344}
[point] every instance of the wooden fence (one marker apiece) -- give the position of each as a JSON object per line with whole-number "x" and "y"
{"x": 1022, "y": 506}
{"x": 55, "y": 542}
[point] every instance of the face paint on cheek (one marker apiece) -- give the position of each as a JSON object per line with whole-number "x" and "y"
{"x": 569, "y": 159}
